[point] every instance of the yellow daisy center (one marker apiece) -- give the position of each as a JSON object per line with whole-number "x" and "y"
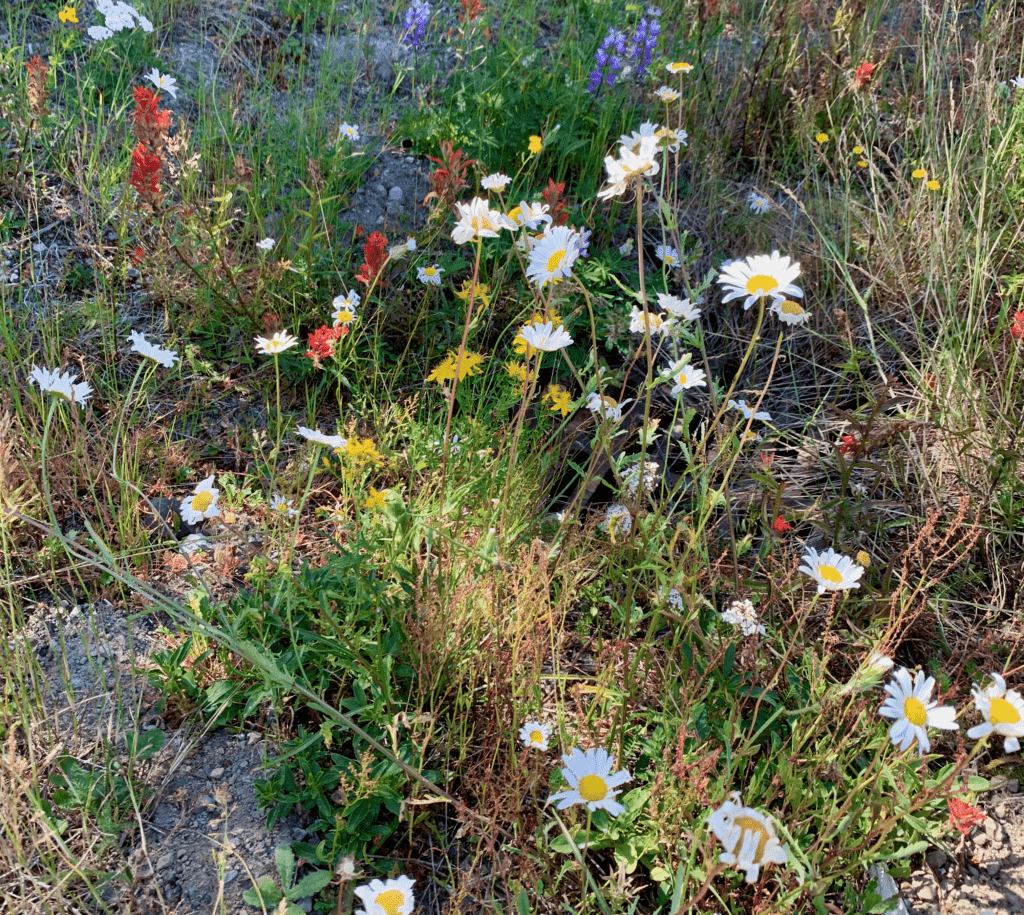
{"x": 791, "y": 308}
{"x": 749, "y": 824}
{"x": 915, "y": 712}
{"x": 516, "y": 215}
{"x": 429, "y": 271}
{"x": 555, "y": 260}
{"x": 830, "y": 574}
{"x": 593, "y": 788}
{"x": 201, "y": 501}
{"x": 761, "y": 284}
{"x": 536, "y": 737}
{"x": 682, "y": 378}
{"x": 1003, "y": 712}
{"x": 345, "y": 316}
{"x": 390, "y": 901}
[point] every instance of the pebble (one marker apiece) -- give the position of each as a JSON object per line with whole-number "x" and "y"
{"x": 166, "y": 860}
{"x": 229, "y": 876}
{"x": 254, "y": 737}
{"x": 936, "y": 858}
{"x": 395, "y": 193}
{"x": 992, "y": 867}
{"x": 1013, "y": 785}
{"x": 217, "y": 773}
{"x": 981, "y": 840}
{"x": 926, "y": 893}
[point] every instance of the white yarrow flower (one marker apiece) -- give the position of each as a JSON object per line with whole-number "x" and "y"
{"x": 265, "y": 244}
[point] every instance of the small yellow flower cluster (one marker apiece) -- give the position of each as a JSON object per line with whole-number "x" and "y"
{"x": 445, "y": 371}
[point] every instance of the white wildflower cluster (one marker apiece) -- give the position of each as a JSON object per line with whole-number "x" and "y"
{"x": 117, "y": 17}
{"x": 741, "y": 613}
{"x": 631, "y": 478}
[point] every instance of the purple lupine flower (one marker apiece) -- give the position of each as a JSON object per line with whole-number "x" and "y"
{"x": 644, "y": 40}
{"x": 584, "y": 242}
{"x": 415, "y": 22}
{"x": 608, "y": 59}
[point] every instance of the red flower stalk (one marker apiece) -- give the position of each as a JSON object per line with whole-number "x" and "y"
{"x": 848, "y": 443}
{"x": 1017, "y": 328}
{"x": 449, "y": 181}
{"x": 322, "y": 342}
{"x": 863, "y": 75}
{"x": 146, "y": 176}
{"x": 780, "y": 525}
{"x": 470, "y": 10}
{"x": 37, "y": 94}
{"x": 552, "y": 195}
{"x": 138, "y": 255}
{"x": 962, "y": 816}
{"x": 376, "y": 253}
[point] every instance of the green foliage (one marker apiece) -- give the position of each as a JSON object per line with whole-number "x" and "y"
{"x": 268, "y": 895}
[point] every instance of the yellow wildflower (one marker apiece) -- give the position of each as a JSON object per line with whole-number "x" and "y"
{"x": 481, "y": 295}
{"x": 535, "y": 144}
{"x": 933, "y": 185}
{"x": 361, "y": 451}
{"x": 858, "y": 150}
{"x": 520, "y": 374}
{"x": 559, "y": 399}
{"x": 445, "y": 371}
{"x": 862, "y": 559}
{"x": 68, "y": 14}
{"x": 920, "y": 174}
{"x": 821, "y": 139}
{"x": 375, "y": 500}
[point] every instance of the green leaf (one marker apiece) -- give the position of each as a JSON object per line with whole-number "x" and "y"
{"x": 264, "y": 894}
{"x": 285, "y": 865}
{"x": 977, "y": 783}
{"x": 310, "y": 884}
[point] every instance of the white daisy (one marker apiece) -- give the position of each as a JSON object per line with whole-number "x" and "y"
{"x": 633, "y": 140}
{"x": 277, "y": 344}
{"x": 758, "y": 202}
{"x": 345, "y": 308}
{"x": 282, "y": 506}
{"x": 163, "y": 81}
{"x": 386, "y": 897}
{"x": 666, "y": 94}
{"x": 530, "y": 215}
{"x": 1004, "y": 713}
{"x": 679, "y": 66}
{"x": 140, "y": 345}
{"x": 265, "y": 244}
{"x": 748, "y": 837}
{"x": 1016, "y": 83}
{"x": 669, "y": 256}
{"x": 760, "y": 275}
{"x": 495, "y": 182}
{"x": 684, "y": 376}
{"x": 201, "y": 504}
{"x": 911, "y": 706}
{"x": 430, "y": 275}
{"x": 553, "y": 255}
{"x": 655, "y": 323}
{"x": 61, "y": 383}
{"x": 544, "y": 337}
{"x": 831, "y": 570}
{"x": 672, "y": 139}
{"x": 592, "y": 781}
{"x": 629, "y": 165}
{"x": 334, "y": 442}
{"x": 606, "y": 407}
{"x": 477, "y": 220}
{"x": 681, "y": 309}
{"x": 741, "y": 613}
{"x": 790, "y": 312}
{"x": 535, "y": 735}
{"x": 748, "y": 412}
{"x": 349, "y": 132}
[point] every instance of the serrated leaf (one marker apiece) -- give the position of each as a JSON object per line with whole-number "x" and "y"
{"x": 285, "y": 860}
{"x": 310, "y": 884}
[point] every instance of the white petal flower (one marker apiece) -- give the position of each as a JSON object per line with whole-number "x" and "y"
{"x": 748, "y": 412}
{"x": 163, "y": 81}
{"x": 386, "y": 897}
{"x": 655, "y": 323}
{"x": 535, "y": 735}
{"x": 1017, "y": 82}
{"x": 348, "y": 132}
{"x": 605, "y": 406}
{"x": 335, "y": 442}
{"x": 758, "y": 202}
{"x": 140, "y": 345}
{"x": 741, "y": 613}
{"x": 60, "y": 383}
{"x": 265, "y": 244}
{"x": 282, "y": 506}
{"x": 1003, "y": 710}
{"x": 630, "y": 164}
{"x": 684, "y": 376}
{"x": 790, "y": 312}
{"x": 277, "y": 344}
{"x": 591, "y": 781}
{"x": 544, "y": 337}
{"x": 666, "y": 94}
{"x": 201, "y": 504}
{"x": 681, "y": 309}
{"x": 345, "y": 308}
{"x": 553, "y": 255}
{"x": 530, "y": 215}
{"x": 831, "y": 570}
{"x": 430, "y": 275}
{"x": 495, "y": 182}
{"x": 760, "y": 275}
{"x": 669, "y": 255}
{"x": 748, "y": 837}
{"x": 911, "y": 706}
{"x": 477, "y": 220}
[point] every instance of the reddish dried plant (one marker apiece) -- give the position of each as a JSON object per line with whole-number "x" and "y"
{"x": 1017, "y": 327}
{"x": 37, "y": 94}
{"x": 962, "y": 816}
{"x": 375, "y": 251}
{"x": 552, "y": 195}
{"x": 449, "y": 180}
{"x": 151, "y": 124}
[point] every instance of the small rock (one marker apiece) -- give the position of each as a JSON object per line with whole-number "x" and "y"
{"x": 229, "y": 876}
{"x": 981, "y": 840}
{"x": 1013, "y": 785}
{"x": 165, "y": 861}
{"x": 217, "y": 773}
{"x": 254, "y": 737}
{"x": 298, "y": 833}
{"x": 992, "y": 867}
{"x": 926, "y": 893}
{"x": 936, "y": 858}
{"x": 305, "y": 904}
{"x": 1000, "y": 810}
{"x": 395, "y": 193}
